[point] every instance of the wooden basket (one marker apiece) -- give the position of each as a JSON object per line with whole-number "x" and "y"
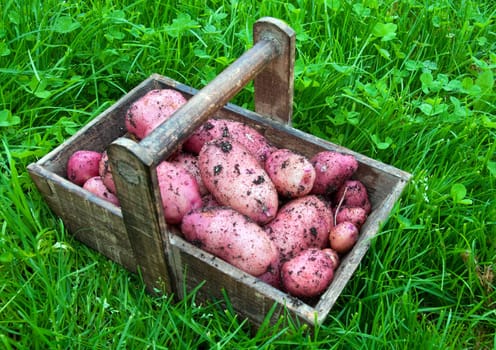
{"x": 137, "y": 236}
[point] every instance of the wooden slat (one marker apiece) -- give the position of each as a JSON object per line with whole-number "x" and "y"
{"x": 274, "y": 85}
{"x": 93, "y": 221}
{"x": 250, "y": 297}
{"x": 132, "y": 171}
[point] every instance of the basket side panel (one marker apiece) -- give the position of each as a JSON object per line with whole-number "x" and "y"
{"x": 248, "y": 296}
{"x": 92, "y": 221}
{"x": 99, "y": 133}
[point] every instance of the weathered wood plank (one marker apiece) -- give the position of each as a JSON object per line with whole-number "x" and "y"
{"x": 250, "y": 297}
{"x": 93, "y": 221}
{"x": 274, "y": 84}
{"x": 134, "y": 173}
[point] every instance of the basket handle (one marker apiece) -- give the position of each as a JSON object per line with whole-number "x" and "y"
{"x": 270, "y": 62}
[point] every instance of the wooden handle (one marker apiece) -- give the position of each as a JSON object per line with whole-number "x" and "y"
{"x": 208, "y": 100}
{"x": 270, "y": 61}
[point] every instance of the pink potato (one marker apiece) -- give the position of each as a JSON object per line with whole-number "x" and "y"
{"x": 96, "y": 186}
{"x": 189, "y": 162}
{"x": 105, "y": 171}
{"x": 236, "y": 179}
{"x": 308, "y": 274}
{"x": 353, "y": 193}
{"x": 248, "y": 136}
{"x": 150, "y": 110}
{"x": 332, "y": 169}
{"x": 82, "y": 165}
{"x": 300, "y": 224}
{"x": 355, "y": 215}
{"x": 179, "y": 191}
{"x": 292, "y": 174}
{"x": 273, "y": 274}
{"x": 208, "y": 200}
{"x": 343, "y": 237}
{"x": 334, "y": 257}
{"x": 230, "y": 236}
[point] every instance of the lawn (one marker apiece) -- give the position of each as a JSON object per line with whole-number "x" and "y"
{"x": 407, "y": 82}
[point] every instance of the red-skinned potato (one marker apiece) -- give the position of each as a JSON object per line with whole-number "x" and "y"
{"x": 334, "y": 256}
{"x": 178, "y": 190}
{"x": 105, "y": 172}
{"x": 300, "y": 224}
{"x": 189, "y": 162}
{"x": 96, "y": 186}
{"x": 332, "y": 169}
{"x": 343, "y": 237}
{"x": 213, "y": 129}
{"x": 308, "y": 274}
{"x": 236, "y": 179}
{"x": 82, "y": 165}
{"x": 355, "y": 215}
{"x": 292, "y": 173}
{"x": 273, "y": 274}
{"x": 150, "y": 110}
{"x": 353, "y": 193}
{"x": 230, "y": 236}
{"x": 208, "y": 200}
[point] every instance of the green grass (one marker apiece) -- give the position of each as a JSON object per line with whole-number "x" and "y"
{"x": 407, "y": 82}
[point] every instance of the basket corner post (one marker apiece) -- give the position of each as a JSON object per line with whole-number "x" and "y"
{"x": 132, "y": 170}
{"x": 274, "y": 86}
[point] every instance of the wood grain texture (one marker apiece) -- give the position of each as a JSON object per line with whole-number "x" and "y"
{"x": 250, "y": 297}
{"x": 135, "y": 180}
{"x": 274, "y": 84}
{"x": 93, "y": 221}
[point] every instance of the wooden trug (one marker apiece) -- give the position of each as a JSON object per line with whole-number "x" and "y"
{"x": 137, "y": 236}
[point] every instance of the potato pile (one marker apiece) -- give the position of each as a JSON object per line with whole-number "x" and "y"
{"x": 271, "y": 212}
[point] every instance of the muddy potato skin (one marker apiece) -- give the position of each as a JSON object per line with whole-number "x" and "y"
{"x": 343, "y": 237}
{"x": 105, "y": 171}
{"x": 308, "y": 274}
{"x": 292, "y": 173}
{"x": 334, "y": 256}
{"x": 273, "y": 274}
{"x": 249, "y": 137}
{"x": 146, "y": 113}
{"x": 179, "y": 191}
{"x": 230, "y": 236}
{"x": 82, "y": 165}
{"x": 332, "y": 169}
{"x": 96, "y": 186}
{"x": 355, "y": 215}
{"x": 236, "y": 179}
{"x": 300, "y": 224}
{"x": 189, "y": 162}
{"x": 208, "y": 200}
{"x": 353, "y": 193}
